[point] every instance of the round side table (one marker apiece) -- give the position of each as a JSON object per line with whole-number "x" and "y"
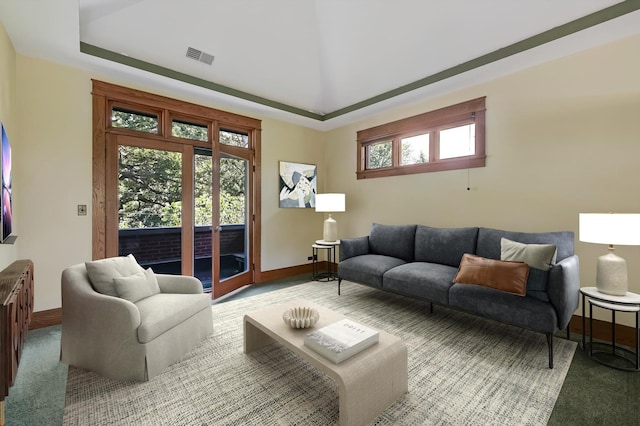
{"x": 611, "y": 354}
{"x": 330, "y": 247}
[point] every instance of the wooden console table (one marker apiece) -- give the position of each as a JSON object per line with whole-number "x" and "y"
{"x": 16, "y": 311}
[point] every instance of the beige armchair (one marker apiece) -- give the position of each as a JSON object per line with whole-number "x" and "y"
{"x": 127, "y": 340}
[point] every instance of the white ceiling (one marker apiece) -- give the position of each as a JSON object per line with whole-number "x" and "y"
{"x": 284, "y": 58}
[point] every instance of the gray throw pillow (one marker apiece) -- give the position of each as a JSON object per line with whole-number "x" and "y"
{"x": 540, "y": 258}
{"x": 102, "y": 272}
{"x": 137, "y": 286}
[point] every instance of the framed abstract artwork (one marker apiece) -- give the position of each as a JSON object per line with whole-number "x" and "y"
{"x": 298, "y": 185}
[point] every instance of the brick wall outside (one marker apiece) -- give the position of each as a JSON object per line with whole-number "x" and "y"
{"x": 151, "y": 245}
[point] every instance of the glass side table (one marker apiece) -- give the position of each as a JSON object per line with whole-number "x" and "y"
{"x": 611, "y": 354}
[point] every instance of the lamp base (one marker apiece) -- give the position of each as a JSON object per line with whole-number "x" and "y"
{"x": 611, "y": 275}
{"x": 330, "y": 229}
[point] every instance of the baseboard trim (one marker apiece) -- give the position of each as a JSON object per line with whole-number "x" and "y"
{"x": 292, "y": 271}
{"x": 47, "y": 318}
{"x": 625, "y": 335}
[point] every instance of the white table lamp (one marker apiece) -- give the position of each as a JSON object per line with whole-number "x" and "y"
{"x": 611, "y": 228}
{"x": 330, "y": 203}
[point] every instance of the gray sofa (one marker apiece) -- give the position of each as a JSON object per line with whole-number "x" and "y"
{"x": 421, "y": 262}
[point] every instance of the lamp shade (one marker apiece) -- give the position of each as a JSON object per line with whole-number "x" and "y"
{"x": 330, "y": 203}
{"x": 610, "y": 228}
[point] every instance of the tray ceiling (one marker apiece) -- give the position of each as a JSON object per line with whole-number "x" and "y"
{"x": 320, "y": 63}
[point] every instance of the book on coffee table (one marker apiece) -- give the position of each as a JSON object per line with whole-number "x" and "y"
{"x": 341, "y": 340}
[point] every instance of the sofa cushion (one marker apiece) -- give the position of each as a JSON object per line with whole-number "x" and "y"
{"x": 540, "y": 258}
{"x": 430, "y": 281}
{"x": 393, "y": 240}
{"x": 510, "y": 277}
{"x": 498, "y": 305}
{"x": 102, "y": 272}
{"x": 444, "y": 245}
{"x": 137, "y": 286}
{"x": 489, "y": 241}
{"x": 367, "y": 269}
{"x": 163, "y": 311}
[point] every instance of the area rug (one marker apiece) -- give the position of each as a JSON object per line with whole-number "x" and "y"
{"x": 462, "y": 370}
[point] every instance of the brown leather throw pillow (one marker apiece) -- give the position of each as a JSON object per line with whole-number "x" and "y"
{"x": 497, "y": 274}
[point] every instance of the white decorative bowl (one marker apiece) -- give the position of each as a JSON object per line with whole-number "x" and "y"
{"x": 301, "y": 317}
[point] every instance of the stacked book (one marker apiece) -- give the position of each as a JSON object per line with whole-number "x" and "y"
{"x": 341, "y": 340}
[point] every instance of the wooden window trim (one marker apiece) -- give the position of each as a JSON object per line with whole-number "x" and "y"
{"x": 431, "y": 122}
{"x": 106, "y": 95}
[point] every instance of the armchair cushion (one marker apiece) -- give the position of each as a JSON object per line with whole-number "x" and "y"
{"x": 102, "y": 272}
{"x": 163, "y": 311}
{"x": 137, "y": 286}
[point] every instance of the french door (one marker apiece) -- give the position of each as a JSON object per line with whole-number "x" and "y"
{"x": 177, "y": 185}
{"x": 182, "y": 209}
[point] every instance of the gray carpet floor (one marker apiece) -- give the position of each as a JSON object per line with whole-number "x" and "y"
{"x": 592, "y": 394}
{"x": 461, "y": 369}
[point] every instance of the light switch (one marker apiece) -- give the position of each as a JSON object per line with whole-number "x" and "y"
{"x": 82, "y": 209}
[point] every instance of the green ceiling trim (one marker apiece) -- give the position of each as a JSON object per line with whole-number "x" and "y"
{"x": 569, "y": 28}
{"x": 109, "y": 55}
{"x": 588, "y": 21}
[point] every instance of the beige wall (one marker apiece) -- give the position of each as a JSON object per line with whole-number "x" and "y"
{"x": 562, "y": 138}
{"x": 54, "y": 167}
{"x": 287, "y": 234}
{"x": 54, "y": 117}
{"x": 8, "y": 253}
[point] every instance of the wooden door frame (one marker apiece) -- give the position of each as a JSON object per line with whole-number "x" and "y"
{"x": 104, "y": 95}
{"x": 221, "y": 288}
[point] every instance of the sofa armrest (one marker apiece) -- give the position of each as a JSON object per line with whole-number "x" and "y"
{"x": 179, "y": 284}
{"x": 564, "y": 288}
{"x": 351, "y": 247}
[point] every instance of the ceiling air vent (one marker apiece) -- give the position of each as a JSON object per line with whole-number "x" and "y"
{"x": 199, "y": 55}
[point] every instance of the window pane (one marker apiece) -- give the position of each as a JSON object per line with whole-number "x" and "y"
{"x": 203, "y": 232}
{"x": 233, "y": 188}
{"x": 415, "y": 150}
{"x": 458, "y": 141}
{"x": 234, "y": 244}
{"x": 234, "y": 138}
{"x": 123, "y": 118}
{"x": 149, "y": 188}
{"x": 150, "y": 207}
{"x": 379, "y": 155}
{"x": 182, "y": 129}
{"x": 203, "y": 187}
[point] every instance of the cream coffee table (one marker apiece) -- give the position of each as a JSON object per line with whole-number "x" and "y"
{"x": 368, "y": 382}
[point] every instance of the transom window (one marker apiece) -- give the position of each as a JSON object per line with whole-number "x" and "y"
{"x": 446, "y": 139}
{"x": 125, "y": 118}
